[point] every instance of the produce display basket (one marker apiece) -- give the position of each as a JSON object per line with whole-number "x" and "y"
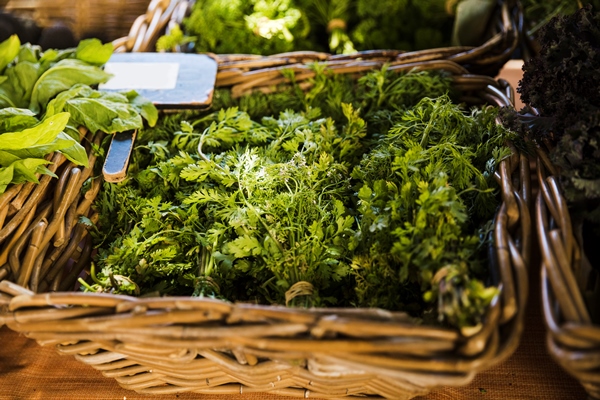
{"x": 567, "y": 277}
{"x": 504, "y": 30}
{"x": 109, "y": 18}
{"x": 162, "y": 345}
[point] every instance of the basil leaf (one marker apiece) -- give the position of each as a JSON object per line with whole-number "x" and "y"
{"x": 16, "y": 119}
{"x": 75, "y": 153}
{"x": 97, "y": 111}
{"x": 9, "y": 50}
{"x": 143, "y": 106}
{"x": 61, "y": 77}
{"x": 25, "y": 170}
{"x": 92, "y": 51}
{"x": 43, "y": 133}
{"x": 6, "y": 175}
{"x": 29, "y": 53}
{"x": 23, "y": 77}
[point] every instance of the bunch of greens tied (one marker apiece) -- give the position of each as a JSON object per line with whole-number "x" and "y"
{"x": 46, "y": 96}
{"x": 372, "y": 197}
{"x": 336, "y": 26}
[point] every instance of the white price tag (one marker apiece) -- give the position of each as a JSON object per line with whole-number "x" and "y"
{"x": 141, "y": 75}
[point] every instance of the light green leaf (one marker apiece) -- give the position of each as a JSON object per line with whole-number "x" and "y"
{"x": 97, "y": 111}
{"x": 23, "y": 77}
{"x": 25, "y": 170}
{"x": 43, "y": 133}
{"x": 16, "y": 119}
{"x": 143, "y": 106}
{"x": 93, "y": 51}
{"x": 7, "y": 158}
{"x": 9, "y": 50}
{"x": 29, "y": 53}
{"x": 6, "y": 175}
{"x": 76, "y": 152}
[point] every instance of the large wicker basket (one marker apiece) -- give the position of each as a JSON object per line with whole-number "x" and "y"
{"x": 504, "y": 31}
{"x": 174, "y": 344}
{"x": 573, "y": 339}
{"x": 110, "y": 19}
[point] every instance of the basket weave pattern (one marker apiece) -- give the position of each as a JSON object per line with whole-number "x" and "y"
{"x": 110, "y": 18}
{"x": 573, "y": 340}
{"x": 174, "y": 344}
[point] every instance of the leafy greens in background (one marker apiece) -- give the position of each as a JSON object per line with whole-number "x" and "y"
{"x": 537, "y": 13}
{"x": 374, "y": 196}
{"x": 44, "y": 97}
{"x": 336, "y": 26}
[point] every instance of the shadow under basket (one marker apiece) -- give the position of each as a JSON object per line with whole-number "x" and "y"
{"x": 501, "y": 39}
{"x": 567, "y": 279}
{"x": 167, "y": 345}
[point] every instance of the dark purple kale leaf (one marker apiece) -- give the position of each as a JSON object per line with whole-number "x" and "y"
{"x": 563, "y": 85}
{"x": 564, "y": 81}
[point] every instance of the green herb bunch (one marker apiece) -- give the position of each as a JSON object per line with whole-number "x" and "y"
{"x": 371, "y": 197}
{"x": 421, "y": 191}
{"x": 45, "y": 98}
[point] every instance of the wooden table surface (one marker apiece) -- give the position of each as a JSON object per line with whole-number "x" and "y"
{"x": 29, "y": 371}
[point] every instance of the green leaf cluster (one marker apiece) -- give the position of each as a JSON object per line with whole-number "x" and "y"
{"x": 375, "y": 197}
{"x": 336, "y": 26}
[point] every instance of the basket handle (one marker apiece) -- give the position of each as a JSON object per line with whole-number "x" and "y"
{"x": 148, "y": 27}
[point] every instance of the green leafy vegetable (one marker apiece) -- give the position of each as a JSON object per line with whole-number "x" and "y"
{"x": 62, "y": 76}
{"x": 357, "y": 193}
{"x": 92, "y": 51}
{"x": 8, "y": 51}
{"x": 32, "y": 79}
{"x": 14, "y": 119}
{"x": 337, "y": 26}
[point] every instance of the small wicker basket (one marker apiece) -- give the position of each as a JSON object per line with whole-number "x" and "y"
{"x": 573, "y": 339}
{"x": 504, "y": 31}
{"x": 174, "y": 344}
{"x": 109, "y": 19}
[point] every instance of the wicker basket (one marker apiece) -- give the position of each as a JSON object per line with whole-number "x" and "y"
{"x": 109, "y": 19}
{"x": 505, "y": 27}
{"x": 44, "y": 242}
{"x": 174, "y": 344}
{"x": 573, "y": 339}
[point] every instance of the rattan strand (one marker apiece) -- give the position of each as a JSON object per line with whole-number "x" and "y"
{"x": 42, "y": 238}
{"x": 573, "y": 339}
{"x": 170, "y": 345}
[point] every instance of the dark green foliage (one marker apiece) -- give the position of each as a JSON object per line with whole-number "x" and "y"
{"x": 537, "y": 13}
{"x": 335, "y": 26}
{"x": 562, "y": 83}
